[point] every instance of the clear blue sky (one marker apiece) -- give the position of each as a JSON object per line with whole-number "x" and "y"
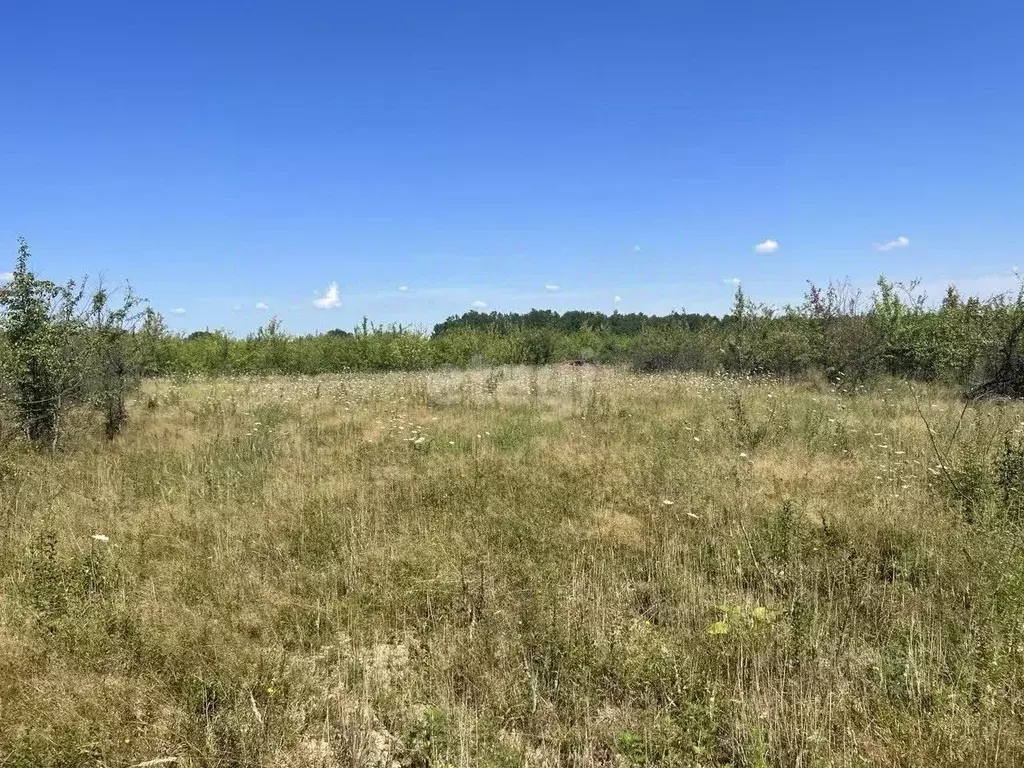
{"x": 221, "y": 154}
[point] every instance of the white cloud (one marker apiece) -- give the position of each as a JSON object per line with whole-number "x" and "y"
{"x": 236, "y": 307}
{"x": 732, "y": 281}
{"x": 178, "y": 311}
{"x": 551, "y": 287}
{"x": 480, "y": 304}
{"x": 767, "y": 246}
{"x": 330, "y": 299}
{"x": 403, "y": 288}
{"x": 636, "y": 249}
{"x": 899, "y": 242}
{"x": 6, "y": 277}
{"x": 618, "y": 299}
{"x": 261, "y": 305}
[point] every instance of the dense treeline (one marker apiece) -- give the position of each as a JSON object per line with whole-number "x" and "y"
{"x": 836, "y": 332}
{"x": 574, "y": 321}
{"x": 61, "y": 348}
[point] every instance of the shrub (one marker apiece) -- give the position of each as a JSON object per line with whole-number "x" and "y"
{"x": 64, "y": 349}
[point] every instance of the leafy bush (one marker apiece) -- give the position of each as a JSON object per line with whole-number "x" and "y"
{"x": 63, "y": 348}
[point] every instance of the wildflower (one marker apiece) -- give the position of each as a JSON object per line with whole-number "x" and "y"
{"x": 743, "y": 455}
{"x": 667, "y": 502}
{"x": 100, "y": 537}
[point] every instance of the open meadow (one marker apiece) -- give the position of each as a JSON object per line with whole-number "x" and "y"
{"x": 560, "y": 566}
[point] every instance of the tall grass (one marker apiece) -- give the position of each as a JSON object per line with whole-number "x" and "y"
{"x": 518, "y": 567}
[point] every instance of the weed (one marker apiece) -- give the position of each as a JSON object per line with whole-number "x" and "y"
{"x": 577, "y": 566}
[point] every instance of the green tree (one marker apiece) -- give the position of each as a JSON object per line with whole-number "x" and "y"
{"x": 38, "y": 320}
{"x": 63, "y": 350}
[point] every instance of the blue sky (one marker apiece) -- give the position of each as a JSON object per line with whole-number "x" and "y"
{"x": 228, "y": 154}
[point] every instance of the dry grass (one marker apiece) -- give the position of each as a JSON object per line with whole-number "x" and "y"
{"x": 564, "y": 567}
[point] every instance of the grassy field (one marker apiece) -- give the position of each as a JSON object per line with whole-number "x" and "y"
{"x": 516, "y": 567}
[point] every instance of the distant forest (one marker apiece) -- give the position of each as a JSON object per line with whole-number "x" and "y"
{"x": 575, "y": 321}
{"x": 836, "y": 332}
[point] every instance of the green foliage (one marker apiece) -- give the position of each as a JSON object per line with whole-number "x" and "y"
{"x": 42, "y": 331}
{"x": 571, "y": 322}
{"x": 62, "y": 349}
{"x": 59, "y": 347}
{"x": 836, "y": 332}
{"x": 667, "y": 349}
{"x": 429, "y": 740}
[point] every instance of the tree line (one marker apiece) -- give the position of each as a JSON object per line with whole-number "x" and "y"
{"x": 837, "y": 331}
{"x": 65, "y": 349}
{"x": 574, "y": 321}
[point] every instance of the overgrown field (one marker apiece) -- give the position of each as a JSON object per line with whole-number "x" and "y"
{"x": 518, "y": 567}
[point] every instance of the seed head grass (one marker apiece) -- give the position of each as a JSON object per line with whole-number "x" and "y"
{"x": 516, "y": 567}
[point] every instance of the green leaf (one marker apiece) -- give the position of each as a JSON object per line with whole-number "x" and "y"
{"x": 719, "y": 628}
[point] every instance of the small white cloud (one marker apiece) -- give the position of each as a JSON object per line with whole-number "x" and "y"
{"x": 6, "y": 277}
{"x": 636, "y": 249}
{"x": 618, "y": 299}
{"x": 403, "y": 288}
{"x": 330, "y": 299}
{"x": 732, "y": 281}
{"x": 261, "y": 305}
{"x": 551, "y": 287}
{"x": 178, "y": 311}
{"x": 767, "y": 246}
{"x": 899, "y": 242}
{"x": 480, "y": 304}
{"x": 236, "y": 308}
